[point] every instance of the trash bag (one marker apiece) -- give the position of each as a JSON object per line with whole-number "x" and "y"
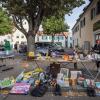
{"x": 39, "y": 90}
{"x": 91, "y": 92}
{"x": 57, "y": 90}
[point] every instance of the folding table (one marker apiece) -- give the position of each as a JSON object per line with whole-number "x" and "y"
{"x": 75, "y": 62}
{"x": 84, "y": 64}
{"x": 4, "y": 57}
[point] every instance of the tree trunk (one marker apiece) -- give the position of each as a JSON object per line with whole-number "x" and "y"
{"x": 31, "y": 43}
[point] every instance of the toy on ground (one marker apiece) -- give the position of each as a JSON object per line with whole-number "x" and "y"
{"x": 20, "y": 88}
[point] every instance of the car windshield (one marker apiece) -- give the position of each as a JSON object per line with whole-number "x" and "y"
{"x": 47, "y": 45}
{"x": 41, "y": 45}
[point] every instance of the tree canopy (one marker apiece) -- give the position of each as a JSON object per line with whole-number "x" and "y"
{"x": 54, "y": 25}
{"x": 5, "y": 23}
{"x": 34, "y": 11}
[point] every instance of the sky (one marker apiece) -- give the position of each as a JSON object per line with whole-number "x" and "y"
{"x": 71, "y": 20}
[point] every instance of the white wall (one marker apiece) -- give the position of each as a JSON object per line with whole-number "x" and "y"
{"x": 19, "y": 37}
{"x": 70, "y": 40}
{"x": 45, "y": 38}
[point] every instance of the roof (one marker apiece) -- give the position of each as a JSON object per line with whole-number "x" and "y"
{"x": 57, "y": 34}
{"x": 84, "y": 10}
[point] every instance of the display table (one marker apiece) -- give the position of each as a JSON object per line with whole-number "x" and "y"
{"x": 4, "y": 57}
{"x": 65, "y": 63}
{"x": 57, "y": 60}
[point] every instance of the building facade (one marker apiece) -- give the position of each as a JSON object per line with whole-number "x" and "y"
{"x": 69, "y": 41}
{"x": 19, "y": 37}
{"x": 86, "y": 31}
{"x": 58, "y": 39}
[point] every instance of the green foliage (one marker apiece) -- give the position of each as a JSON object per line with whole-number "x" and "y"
{"x": 53, "y": 25}
{"x": 50, "y": 7}
{"x": 5, "y": 23}
{"x": 35, "y": 10}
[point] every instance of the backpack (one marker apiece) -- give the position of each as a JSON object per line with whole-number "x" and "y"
{"x": 39, "y": 91}
{"x": 57, "y": 90}
{"x": 91, "y": 92}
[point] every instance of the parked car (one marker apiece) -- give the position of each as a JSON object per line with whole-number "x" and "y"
{"x": 41, "y": 48}
{"x": 44, "y": 48}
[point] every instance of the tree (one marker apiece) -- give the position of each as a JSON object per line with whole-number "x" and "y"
{"x": 54, "y": 25}
{"x": 33, "y": 11}
{"x": 5, "y": 23}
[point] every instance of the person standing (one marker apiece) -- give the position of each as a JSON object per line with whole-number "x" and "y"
{"x": 15, "y": 46}
{"x": 97, "y": 55}
{"x": 7, "y": 46}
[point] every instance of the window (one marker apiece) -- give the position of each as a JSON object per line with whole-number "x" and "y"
{"x": 17, "y": 41}
{"x": 17, "y": 36}
{"x": 25, "y": 23}
{"x": 82, "y": 23}
{"x": 98, "y": 7}
{"x": 56, "y": 38}
{"x": 70, "y": 45}
{"x": 44, "y": 37}
{"x": 80, "y": 30}
{"x": 50, "y": 37}
{"x": 96, "y": 37}
{"x": 22, "y": 42}
{"x": 76, "y": 28}
{"x": 22, "y": 36}
{"x": 61, "y": 37}
{"x": 93, "y": 13}
{"x": 70, "y": 38}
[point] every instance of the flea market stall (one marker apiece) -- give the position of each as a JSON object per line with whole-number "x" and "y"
{"x": 57, "y": 78}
